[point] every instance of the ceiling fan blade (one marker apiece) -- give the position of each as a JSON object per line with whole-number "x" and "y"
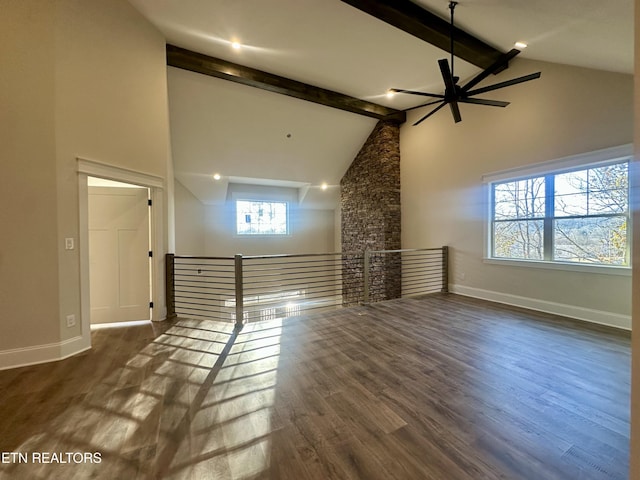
{"x": 423, "y": 105}
{"x": 455, "y": 111}
{"x": 450, "y": 89}
{"x": 446, "y": 76}
{"x": 413, "y": 92}
{"x": 493, "y": 68}
{"x": 482, "y": 101}
{"x": 430, "y": 113}
{"x": 508, "y": 83}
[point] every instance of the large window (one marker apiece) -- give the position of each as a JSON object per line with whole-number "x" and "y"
{"x": 576, "y": 216}
{"x": 261, "y": 218}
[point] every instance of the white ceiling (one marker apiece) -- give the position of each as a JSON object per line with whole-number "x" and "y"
{"x": 242, "y": 131}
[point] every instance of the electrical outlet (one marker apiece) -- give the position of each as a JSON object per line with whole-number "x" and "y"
{"x": 71, "y": 321}
{"x": 69, "y": 244}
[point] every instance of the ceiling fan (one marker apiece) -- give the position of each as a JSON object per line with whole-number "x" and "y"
{"x": 455, "y": 94}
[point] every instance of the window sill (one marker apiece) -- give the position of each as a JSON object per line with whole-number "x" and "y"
{"x": 569, "y": 267}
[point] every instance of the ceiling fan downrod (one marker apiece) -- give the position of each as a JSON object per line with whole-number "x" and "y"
{"x": 452, "y": 6}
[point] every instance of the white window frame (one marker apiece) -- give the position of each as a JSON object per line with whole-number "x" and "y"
{"x": 571, "y": 163}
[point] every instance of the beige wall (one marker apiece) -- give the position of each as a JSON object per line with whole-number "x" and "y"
{"x": 28, "y": 214}
{"x": 635, "y": 368}
{"x": 567, "y": 111}
{"x": 189, "y": 221}
{"x": 88, "y": 79}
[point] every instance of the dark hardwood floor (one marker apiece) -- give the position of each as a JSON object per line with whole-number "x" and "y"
{"x": 444, "y": 387}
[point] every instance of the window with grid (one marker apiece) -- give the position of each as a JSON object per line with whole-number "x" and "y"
{"x": 573, "y": 216}
{"x": 261, "y": 218}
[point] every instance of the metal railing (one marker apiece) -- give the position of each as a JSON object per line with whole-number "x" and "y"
{"x": 404, "y": 273}
{"x": 251, "y": 288}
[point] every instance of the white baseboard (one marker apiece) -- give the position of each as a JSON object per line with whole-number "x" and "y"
{"x": 587, "y": 314}
{"x": 51, "y": 352}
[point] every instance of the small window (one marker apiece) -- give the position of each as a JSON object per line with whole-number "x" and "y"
{"x": 261, "y": 218}
{"x": 577, "y": 216}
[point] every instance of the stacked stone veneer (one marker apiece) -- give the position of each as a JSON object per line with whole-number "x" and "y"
{"x": 370, "y": 208}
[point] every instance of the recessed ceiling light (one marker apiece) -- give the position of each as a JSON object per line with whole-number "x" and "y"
{"x": 216, "y": 176}
{"x": 236, "y": 45}
{"x": 390, "y": 94}
{"x": 520, "y": 45}
{"x": 324, "y": 186}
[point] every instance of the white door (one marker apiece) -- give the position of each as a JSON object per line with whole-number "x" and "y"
{"x": 119, "y": 254}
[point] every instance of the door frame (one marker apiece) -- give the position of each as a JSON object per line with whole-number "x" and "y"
{"x": 90, "y": 168}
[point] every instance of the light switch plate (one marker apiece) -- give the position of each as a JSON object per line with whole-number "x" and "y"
{"x": 69, "y": 244}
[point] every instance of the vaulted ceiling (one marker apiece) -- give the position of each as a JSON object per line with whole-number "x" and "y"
{"x": 253, "y": 136}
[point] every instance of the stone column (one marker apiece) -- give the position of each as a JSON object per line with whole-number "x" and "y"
{"x": 370, "y": 204}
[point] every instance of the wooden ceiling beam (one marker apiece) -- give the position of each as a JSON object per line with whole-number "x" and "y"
{"x": 415, "y": 20}
{"x": 215, "y": 67}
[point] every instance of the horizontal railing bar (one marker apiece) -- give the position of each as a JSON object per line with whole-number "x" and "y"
{"x": 426, "y": 279}
{"x": 413, "y": 271}
{"x": 204, "y": 299}
{"x": 410, "y": 280}
{"x": 439, "y": 249}
{"x": 302, "y": 255}
{"x": 204, "y": 266}
{"x": 421, "y": 261}
{"x": 210, "y": 261}
{"x": 203, "y": 288}
{"x": 298, "y": 255}
{"x": 186, "y": 278}
{"x": 208, "y": 270}
{"x": 293, "y": 266}
{"x": 326, "y": 261}
{"x": 422, "y": 284}
{"x": 279, "y": 273}
{"x": 204, "y": 272}
{"x": 286, "y": 286}
{"x": 217, "y": 289}
{"x": 195, "y": 257}
{"x": 405, "y": 259}
{"x": 299, "y": 279}
{"x": 215, "y": 305}
{"x": 437, "y": 263}
{"x": 293, "y": 299}
{"x": 422, "y": 272}
{"x": 203, "y": 279}
{"x": 267, "y": 278}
